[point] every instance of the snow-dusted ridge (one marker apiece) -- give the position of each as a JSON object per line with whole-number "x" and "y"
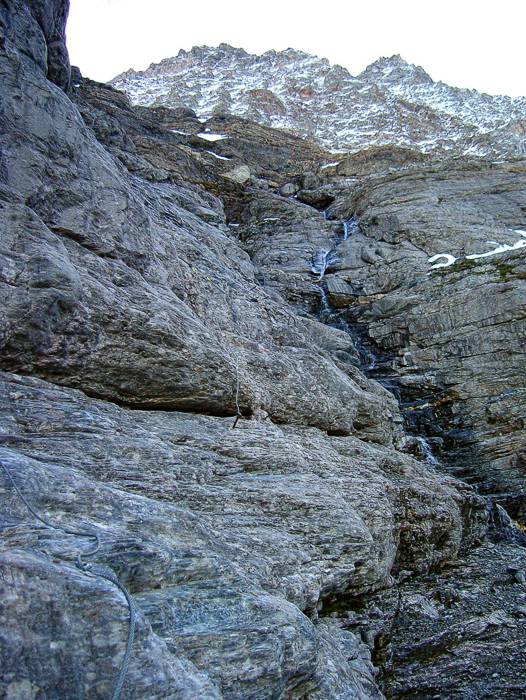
{"x": 390, "y": 102}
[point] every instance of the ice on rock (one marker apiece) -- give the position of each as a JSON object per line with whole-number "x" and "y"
{"x": 501, "y": 248}
{"x": 448, "y": 260}
{"x": 216, "y": 155}
{"x": 322, "y": 260}
{"x": 211, "y": 137}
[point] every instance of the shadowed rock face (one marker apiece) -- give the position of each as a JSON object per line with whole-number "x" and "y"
{"x": 138, "y": 320}
{"x": 45, "y": 40}
{"x": 437, "y": 635}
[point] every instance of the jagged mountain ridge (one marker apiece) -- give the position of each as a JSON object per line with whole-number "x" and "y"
{"x": 390, "y": 103}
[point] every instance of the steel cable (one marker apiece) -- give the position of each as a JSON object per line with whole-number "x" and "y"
{"x": 95, "y": 570}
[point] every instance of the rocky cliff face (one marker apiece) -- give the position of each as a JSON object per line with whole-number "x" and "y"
{"x": 390, "y": 103}
{"x": 432, "y": 278}
{"x": 187, "y": 379}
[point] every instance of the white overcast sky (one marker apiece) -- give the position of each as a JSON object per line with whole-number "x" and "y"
{"x": 465, "y": 43}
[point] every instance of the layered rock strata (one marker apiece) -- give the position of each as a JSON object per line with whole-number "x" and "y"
{"x": 431, "y": 278}
{"x": 168, "y": 386}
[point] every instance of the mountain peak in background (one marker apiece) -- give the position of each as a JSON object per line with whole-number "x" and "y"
{"x": 392, "y": 102}
{"x": 395, "y": 69}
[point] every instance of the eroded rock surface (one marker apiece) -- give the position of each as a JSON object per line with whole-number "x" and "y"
{"x": 457, "y": 634}
{"x": 169, "y": 383}
{"x": 454, "y": 335}
{"x": 226, "y": 538}
{"x": 133, "y": 291}
{"x": 429, "y": 272}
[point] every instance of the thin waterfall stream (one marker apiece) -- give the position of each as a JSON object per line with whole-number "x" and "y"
{"x": 375, "y": 367}
{"x": 324, "y": 261}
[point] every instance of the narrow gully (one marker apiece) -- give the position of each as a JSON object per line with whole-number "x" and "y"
{"x": 500, "y": 526}
{"x": 371, "y": 364}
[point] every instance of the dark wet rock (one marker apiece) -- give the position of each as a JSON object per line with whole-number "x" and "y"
{"x": 455, "y": 332}
{"x": 340, "y": 293}
{"x": 446, "y": 646}
{"x": 436, "y": 635}
{"x": 318, "y": 198}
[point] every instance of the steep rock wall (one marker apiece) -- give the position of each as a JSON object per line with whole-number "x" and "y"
{"x": 132, "y": 316}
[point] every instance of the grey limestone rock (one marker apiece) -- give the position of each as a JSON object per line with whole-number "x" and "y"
{"x": 222, "y": 536}
{"x": 340, "y": 292}
{"x": 130, "y": 293}
{"x": 450, "y": 339}
{"x": 167, "y": 383}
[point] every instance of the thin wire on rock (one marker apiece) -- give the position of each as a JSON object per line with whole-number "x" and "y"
{"x": 99, "y": 570}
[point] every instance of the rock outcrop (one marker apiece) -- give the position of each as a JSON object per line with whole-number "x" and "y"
{"x": 452, "y": 333}
{"x": 51, "y": 54}
{"x": 170, "y": 391}
{"x": 437, "y": 635}
{"x": 226, "y": 538}
{"x": 431, "y": 275}
{"x": 134, "y": 291}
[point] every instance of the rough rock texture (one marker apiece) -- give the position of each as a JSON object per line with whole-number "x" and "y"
{"x": 448, "y": 340}
{"x": 50, "y": 16}
{"x": 457, "y": 634}
{"x": 390, "y": 103}
{"x": 453, "y": 336}
{"x": 129, "y": 292}
{"x": 161, "y": 143}
{"x": 223, "y": 536}
{"x": 169, "y": 384}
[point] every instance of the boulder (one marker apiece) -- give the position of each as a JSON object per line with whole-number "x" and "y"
{"x": 241, "y": 174}
{"x": 288, "y": 189}
{"x": 318, "y": 198}
{"x": 340, "y": 292}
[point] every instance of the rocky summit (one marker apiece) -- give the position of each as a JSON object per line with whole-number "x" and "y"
{"x": 390, "y": 103}
{"x": 262, "y": 407}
